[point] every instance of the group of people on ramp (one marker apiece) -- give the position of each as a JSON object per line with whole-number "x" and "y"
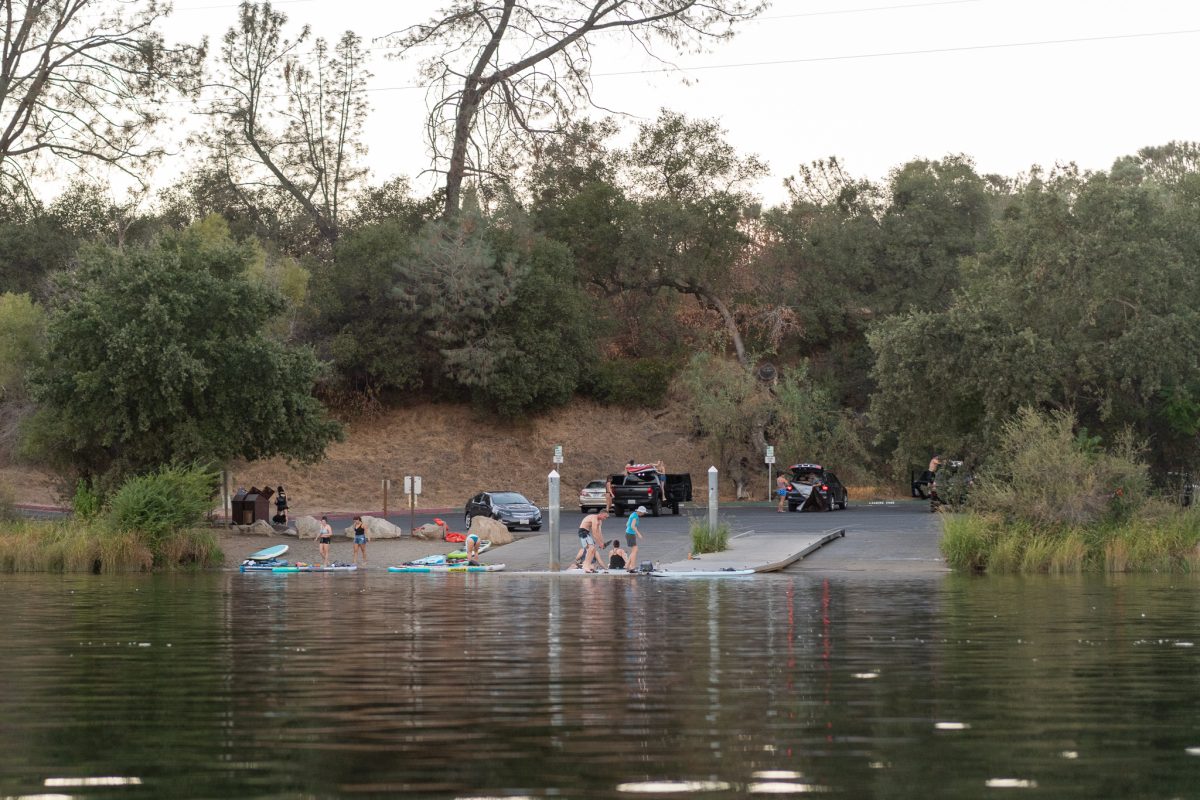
{"x": 592, "y": 544}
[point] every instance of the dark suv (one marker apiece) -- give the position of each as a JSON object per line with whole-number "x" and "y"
{"x": 814, "y": 487}
{"x": 511, "y": 508}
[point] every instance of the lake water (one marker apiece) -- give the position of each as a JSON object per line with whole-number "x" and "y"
{"x": 303, "y": 686}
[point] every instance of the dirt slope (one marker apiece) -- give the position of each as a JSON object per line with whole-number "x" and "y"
{"x": 457, "y": 453}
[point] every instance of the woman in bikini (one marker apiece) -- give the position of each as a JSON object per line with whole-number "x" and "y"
{"x": 323, "y": 539}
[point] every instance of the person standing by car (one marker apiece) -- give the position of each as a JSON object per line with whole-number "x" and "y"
{"x": 609, "y": 494}
{"x": 360, "y": 540}
{"x": 591, "y": 540}
{"x": 662, "y": 479}
{"x": 781, "y": 489}
{"x": 632, "y": 534}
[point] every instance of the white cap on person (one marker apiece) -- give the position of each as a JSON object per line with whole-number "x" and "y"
{"x": 641, "y": 509}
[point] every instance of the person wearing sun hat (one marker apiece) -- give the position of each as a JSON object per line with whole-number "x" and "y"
{"x": 632, "y": 534}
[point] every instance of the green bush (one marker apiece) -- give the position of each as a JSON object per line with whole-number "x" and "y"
{"x": 163, "y": 502}
{"x": 709, "y": 540}
{"x": 87, "y": 502}
{"x": 639, "y": 382}
{"x": 1047, "y": 473}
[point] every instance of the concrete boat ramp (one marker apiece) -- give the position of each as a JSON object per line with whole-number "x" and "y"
{"x": 761, "y": 554}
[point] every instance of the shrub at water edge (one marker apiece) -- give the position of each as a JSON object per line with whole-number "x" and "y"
{"x": 709, "y": 540}
{"x": 166, "y": 501}
{"x": 1054, "y": 500}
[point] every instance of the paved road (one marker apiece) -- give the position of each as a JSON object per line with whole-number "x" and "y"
{"x": 896, "y": 539}
{"x": 893, "y": 540}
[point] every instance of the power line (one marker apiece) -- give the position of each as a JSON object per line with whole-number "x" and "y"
{"x": 837, "y": 11}
{"x": 820, "y": 59}
{"x": 850, "y": 57}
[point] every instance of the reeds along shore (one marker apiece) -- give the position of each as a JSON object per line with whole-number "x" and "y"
{"x": 74, "y": 546}
{"x": 1160, "y": 539}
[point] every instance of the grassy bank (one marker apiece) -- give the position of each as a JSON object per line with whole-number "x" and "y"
{"x": 1159, "y": 539}
{"x": 74, "y": 546}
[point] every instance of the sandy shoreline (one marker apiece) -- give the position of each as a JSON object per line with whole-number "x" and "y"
{"x": 380, "y": 553}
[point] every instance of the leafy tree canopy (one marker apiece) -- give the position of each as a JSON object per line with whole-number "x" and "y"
{"x": 156, "y": 355}
{"x": 1087, "y": 298}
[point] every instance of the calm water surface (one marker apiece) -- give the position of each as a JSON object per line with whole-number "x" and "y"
{"x": 230, "y": 685}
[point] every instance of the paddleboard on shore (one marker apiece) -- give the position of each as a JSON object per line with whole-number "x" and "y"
{"x": 601, "y": 573}
{"x": 703, "y": 573}
{"x": 449, "y": 558}
{"x": 268, "y": 553}
{"x": 262, "y": 566}
{"x": 317, "y": 568}
{"x": 439, "y": 568}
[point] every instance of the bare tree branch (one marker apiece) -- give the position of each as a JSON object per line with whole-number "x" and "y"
{"x": 486, "y": 87}
{"x": 312, "y": 156}
{"x": 86, "y": 79}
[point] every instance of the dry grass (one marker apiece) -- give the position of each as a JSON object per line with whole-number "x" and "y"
{"x": 458, "y": 453}
{"x": 865, "y": 494}
{"x": 36, "y": 546}
{"x": 27, "y": 485}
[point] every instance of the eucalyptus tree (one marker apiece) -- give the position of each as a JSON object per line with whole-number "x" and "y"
{"x": 85, "y": 81}
{"x": 510, "y": 72}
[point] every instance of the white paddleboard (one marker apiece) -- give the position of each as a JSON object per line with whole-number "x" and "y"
{"x": 703, "y": 573}
{"x": 267, "y": 553}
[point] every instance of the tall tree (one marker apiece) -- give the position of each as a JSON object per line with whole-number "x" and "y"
{"x": 157, "y": 354}
{"x": 687, "y": 234}
{"x": 1086, "y": 298}
{"x": 84, "y": 80}
{"x": 311, "y": 158}
{"x": 518, "y": 70}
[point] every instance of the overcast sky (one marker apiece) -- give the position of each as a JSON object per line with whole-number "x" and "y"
{"x": 1010, "y": 83}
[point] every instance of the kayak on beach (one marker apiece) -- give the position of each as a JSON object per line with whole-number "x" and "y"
{"x": 441, "y": 568}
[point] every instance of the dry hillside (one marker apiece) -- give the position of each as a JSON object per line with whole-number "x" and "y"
{"x": 457, "y": 453}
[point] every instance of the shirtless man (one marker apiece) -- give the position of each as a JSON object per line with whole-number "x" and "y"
{"x": 589, "y": 535}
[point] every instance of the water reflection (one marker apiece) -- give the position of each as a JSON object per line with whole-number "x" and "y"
{"x": 317, "y": 685}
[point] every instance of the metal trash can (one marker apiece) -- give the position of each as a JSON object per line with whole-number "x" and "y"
{"x": 238, "y": 509}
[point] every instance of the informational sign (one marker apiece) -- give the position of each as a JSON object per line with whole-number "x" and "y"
{"x": 558, "y": 459}
{"x": 770, "y": 459}
{"x": 412, "y": 484}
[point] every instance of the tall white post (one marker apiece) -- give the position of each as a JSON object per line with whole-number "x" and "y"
{"x": 712, "y": 498}
{"x": 553, "y": 511}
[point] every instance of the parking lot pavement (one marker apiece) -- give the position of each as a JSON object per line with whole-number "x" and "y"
{"x": 898, "y": 538}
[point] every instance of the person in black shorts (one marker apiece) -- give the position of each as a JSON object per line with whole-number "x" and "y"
{"x": 589, "y": 534}
{"x": 323, "y": 539}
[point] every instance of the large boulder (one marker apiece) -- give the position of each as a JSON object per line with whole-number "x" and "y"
{"x": 377, "y": 528}
{"x": 427, "y": 532}
{"x": 308, "y": 527}
{"x": 380, "y": 528}
{"x": 260, "y": 528}
{"x": 493, "y": 529}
